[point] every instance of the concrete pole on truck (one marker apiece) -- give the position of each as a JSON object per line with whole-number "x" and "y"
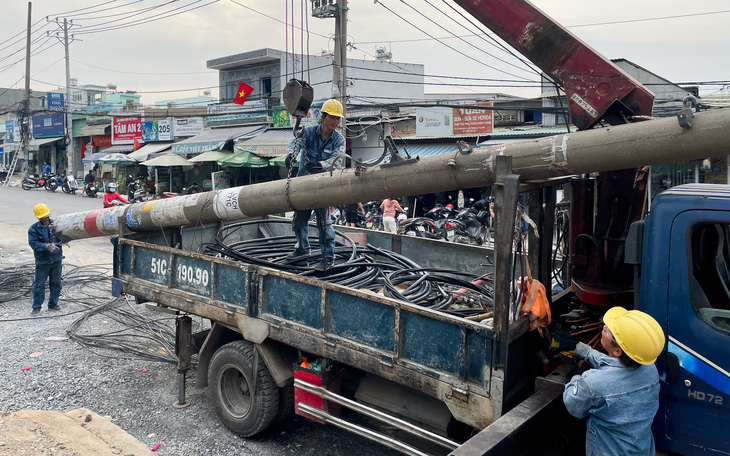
{"x": 605, "y": 149}
{"x": 25, "y": 117}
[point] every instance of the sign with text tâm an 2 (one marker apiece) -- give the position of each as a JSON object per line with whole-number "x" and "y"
{"x": 126, "y": 129}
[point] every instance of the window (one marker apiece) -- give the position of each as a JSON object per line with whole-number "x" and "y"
{"x": 710, "y": 278}
{"x": 265, "y": 87}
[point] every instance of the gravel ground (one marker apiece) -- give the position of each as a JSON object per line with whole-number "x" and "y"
{"x": 135, "y": 394}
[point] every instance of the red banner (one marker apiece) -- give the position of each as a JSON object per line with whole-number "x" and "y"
{"x": 101, "y": 141}
{"x": 473, "y": 121}
{"x": 126, "y": 129}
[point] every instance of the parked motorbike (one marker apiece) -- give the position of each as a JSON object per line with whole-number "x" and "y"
{"x": 373, "y": 215}
{"x": 91, "y": 190}
{"x": 421, "y": 227}
{"x": 136, "y": 192}
{"x": 69, "y": 185}
{"x": 31, "y": 181}
{"x": 185, "y": 191}
{"x": 51, "y": 182}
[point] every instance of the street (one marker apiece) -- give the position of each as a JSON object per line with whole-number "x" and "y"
{"x": 43, "y": 369}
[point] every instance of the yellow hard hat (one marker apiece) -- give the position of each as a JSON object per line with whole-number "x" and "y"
{"x": 332, "y": 107}
{"x": 41, "y": 210}
{"x": 637, "y": 333}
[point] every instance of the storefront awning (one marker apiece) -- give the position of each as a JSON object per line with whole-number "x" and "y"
{"x": 213, "y": 155}
{"x": 144, "y": 152}
{"x": 270, "y": 143}
{"x": 121, "y": 149}
{"x": 212, "y": 140}
{"x": 95, "y": 130}
{"x": 35, "y": 143}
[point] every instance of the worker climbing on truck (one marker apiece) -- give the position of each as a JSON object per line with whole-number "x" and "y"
{"x": 318, "y": 148}
{"x": 620, "y": 394}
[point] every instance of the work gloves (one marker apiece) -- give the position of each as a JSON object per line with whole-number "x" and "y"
{"x": 53, "y": 248}
{"x": 314, "y": 167}
{"x": 288, "y": 161}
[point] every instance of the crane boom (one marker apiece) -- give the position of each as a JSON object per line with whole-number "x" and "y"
{"x": 595, "y": 88}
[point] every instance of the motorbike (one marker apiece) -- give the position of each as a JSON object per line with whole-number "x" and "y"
{"x": 51, "y": 182}
{"x": 421, "y": 227}
{"x": 136, "y": 192}
{"x": 185, "y": 191}
{"x": 69, "y": 185}
{"x": 31, "y": 181}
{"x": 91, "y": 190}
{"x": 373, "y": 215}
{"x": 472, "y": 223}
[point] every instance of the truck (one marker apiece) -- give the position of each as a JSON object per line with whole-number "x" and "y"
{"x": 281, "y": 342}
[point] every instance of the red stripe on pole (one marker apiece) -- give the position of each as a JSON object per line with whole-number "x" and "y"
{"x": 90, "y": 223}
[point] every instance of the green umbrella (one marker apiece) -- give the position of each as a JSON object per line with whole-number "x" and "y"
{"x": 280, "y": 160}
{"x": 244, "y": 159}
{"x": 117, "y": 159}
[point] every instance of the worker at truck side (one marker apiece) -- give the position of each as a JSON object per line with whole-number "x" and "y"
{"x": 48, "y": 257}
{"x": 620, "y": 394}
{"x": 318, "y": 148}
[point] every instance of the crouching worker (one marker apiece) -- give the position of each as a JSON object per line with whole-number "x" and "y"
{"x": 620, "y": 394}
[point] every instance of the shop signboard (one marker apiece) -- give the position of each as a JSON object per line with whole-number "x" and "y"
{"x": 434, "y": 121}
{"x": 98, "y": 113}
{"x": 101, "y": 141}
{"x": 49, "y": 125}
{"x": 55, "y": 101}
{"x": 281, "y": 116}
{"x": 186, "y": 127}
{"x": 126, "y": 129}
{"x": 472, "y": 120}
{"x": 233, "y": 114}
{"x": 12, "y": 131}
{"x": 157, "y": 130}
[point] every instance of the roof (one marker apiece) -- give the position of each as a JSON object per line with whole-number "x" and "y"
{"x": 119, "y": 149}
{"x": 145, "y": 151}
{"x": 212, "y": 140}
{"x": 270, "y": 143}
{"x": 96, "y": 130}
{"x": 37, "y": 142}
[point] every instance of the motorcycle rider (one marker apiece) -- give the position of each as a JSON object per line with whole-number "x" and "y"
{"x": 88, "y": 179}
{"x": 48, "y": 257}
{"x": 111, "y": 195}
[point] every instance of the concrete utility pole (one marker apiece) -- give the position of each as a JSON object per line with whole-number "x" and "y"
{"x": 25, "y": 118}
{"x": 339, "y": 71}
{"x": 604, "y": 149}
{"x": 70, "y": 156}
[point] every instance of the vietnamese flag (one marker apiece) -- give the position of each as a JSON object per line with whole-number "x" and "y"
{"x": 244, "y": 90}
{"x": 83, "y": 148}
{"x": 136, "y": 145}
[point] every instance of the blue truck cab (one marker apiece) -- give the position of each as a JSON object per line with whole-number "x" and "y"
{"x": 684, "y": 282}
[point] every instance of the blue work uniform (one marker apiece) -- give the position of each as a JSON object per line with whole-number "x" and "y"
{"x": 47, "y": 265}
{"x": 312, "y": 149}
{"x": 620, "y": 403}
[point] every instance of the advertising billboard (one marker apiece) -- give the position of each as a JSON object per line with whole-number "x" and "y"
{"x": 126, "y": 129}
{"x": 49, "y": 125}
{"x": 55, "y": 101}
{"x": 442, "y": 121}
{"x": 157, "y": 130}
{"x": 186, "y": 127}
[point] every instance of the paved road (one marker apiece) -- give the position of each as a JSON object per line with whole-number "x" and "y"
{"x": 16, "y": 215}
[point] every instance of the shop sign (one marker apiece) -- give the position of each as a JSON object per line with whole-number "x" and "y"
{"x": 101, "y": 141}
{"x": 49, "y": 125}
{"x": 55, "y": 101}
{"x": 126, "y": 129}
{"x": 12, "y": 131}
{"x": 281, "y": 116}
{"x": 98, "y": 113}
{"x": 189, "y": 126}
{"x": 434, "y": 121}
{"x": 473, "y": 121}
{"x": 157, "y": 130}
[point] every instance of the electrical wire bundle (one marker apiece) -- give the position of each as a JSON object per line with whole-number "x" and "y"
{"x": 365, "y": 268}
{"x": 16, "y": 283}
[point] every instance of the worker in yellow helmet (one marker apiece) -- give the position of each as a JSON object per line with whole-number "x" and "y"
{"x": 620, "y": 394}
{"x": 317, "y": 148}
{"x": 48, "y": 256}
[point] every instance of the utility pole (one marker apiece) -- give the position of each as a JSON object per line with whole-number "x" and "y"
{"x": 70, "y": 156}
{"x": 325, "y": 9}
{"x": 25, "y": 116}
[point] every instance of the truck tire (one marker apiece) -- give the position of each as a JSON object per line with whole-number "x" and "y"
{"x": 286, "y": 403}
{"x": 231, "y": 379}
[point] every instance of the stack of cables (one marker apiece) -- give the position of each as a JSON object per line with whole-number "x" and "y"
{"x": 365, "y": 268}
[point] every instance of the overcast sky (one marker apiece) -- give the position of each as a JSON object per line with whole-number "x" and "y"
{"x": 685, "y": 42}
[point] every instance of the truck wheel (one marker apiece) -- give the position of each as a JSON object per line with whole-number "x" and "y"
{"x": 231, "y": 379}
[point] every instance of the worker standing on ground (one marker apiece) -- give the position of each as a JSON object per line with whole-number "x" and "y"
{"x": 620, "y": 394}
{"x": 389, "y": 208}
{"x": 48, "y": 257}
{"x": 351, "y": 213}
{"x": 318, "y": 148}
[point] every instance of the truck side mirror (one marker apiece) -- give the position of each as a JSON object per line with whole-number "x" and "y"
{"x": 672, "y": 368}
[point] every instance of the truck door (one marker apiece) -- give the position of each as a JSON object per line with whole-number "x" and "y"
{"x": 697, "y": 391}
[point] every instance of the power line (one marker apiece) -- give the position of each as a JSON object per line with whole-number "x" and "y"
{"x": 138, "y": 73}
{"x": 275, "y": 19}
